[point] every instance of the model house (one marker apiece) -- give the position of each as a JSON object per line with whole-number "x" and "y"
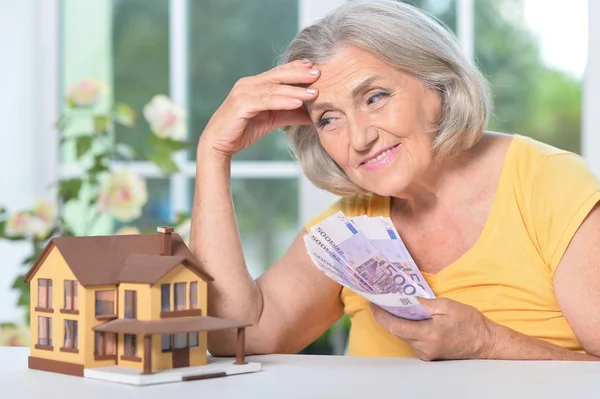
{"x": 136, "y": 301}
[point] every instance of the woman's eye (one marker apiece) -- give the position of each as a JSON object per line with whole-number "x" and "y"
{"x": 323, "y": 122}
{"x": 376, "y": 97}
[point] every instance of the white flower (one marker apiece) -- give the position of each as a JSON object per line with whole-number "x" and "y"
{"x": 45, "y": 214}
{"x": 19, "y": 225}
{"x": 85, "y": 93}
{"x": 123, "y": 194}
{"x": 37, "y": 223}
{"x": 128, "y": 230}
{"x": 166, "y": 119}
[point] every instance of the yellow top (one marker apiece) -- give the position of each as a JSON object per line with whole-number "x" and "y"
{"x": 543, "y": 196}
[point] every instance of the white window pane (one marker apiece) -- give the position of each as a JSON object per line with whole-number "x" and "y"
{"x": 140, "y": 57}
{"x": 534, "y": 53}
{"x": 267, "y": 216}
{"x": 245, "y": 39}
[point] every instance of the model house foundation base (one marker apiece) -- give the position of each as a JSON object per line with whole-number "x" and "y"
{"x": 216, "y": 367}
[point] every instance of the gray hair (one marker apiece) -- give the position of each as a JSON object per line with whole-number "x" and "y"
{"x": 412, "y": 41}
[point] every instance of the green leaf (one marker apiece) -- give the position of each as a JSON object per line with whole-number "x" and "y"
{"x": 24, "y": 297}
{"x": 100, "y": 164}
{"x": 83, "y": 145}
{"x": 19, "y": 282}
{"x": 125, "y": 115}
{"x": 101, "y": 124}
{"x": 69, "y": 189}
{"x": 166, "y": 144}
{"x": 164, "y": 161}
{"x": 30, "y": 260}
{"x": 125, "y": 151}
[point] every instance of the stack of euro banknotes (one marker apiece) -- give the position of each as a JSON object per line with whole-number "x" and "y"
{"x": 367, "y": 255}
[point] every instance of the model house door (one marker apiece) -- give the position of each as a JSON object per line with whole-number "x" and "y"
{"x": 181, "y": 357}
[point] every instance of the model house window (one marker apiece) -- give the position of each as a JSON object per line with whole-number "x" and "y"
{"x": 70, "y": 295}
{"x": 194, "y": 295}
{"x": 71, "y": 334}
{"x": 130, "y": 304}
{"x": 44, "y": 331}
{"x": 165, "y": 297}
{"x": 105, "y": 303}
{"x": 166, "y": 342}
{"x": 105, "y": 344}
{"x": 44, "y": 293}
{"x": 193, "y": 337}
{"x": 180, "y": 296}
{"x": 179, "y": 341}
{"x": 130, "y": 345}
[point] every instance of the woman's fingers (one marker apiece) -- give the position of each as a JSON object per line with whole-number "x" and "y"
{"x": 301, "y": 93}
{"x": 296, "y": 64}
{"x": 271, "y": 98}
{"x": 290, "y": 75}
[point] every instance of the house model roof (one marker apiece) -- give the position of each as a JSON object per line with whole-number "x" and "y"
{"x": 100, "y": 260}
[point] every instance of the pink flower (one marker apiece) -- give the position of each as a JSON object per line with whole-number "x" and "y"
{"x": 38, "y": 223}
{"x": 123, "y": 194}
{"x": 85, "y": 93}
{"x": 166, "y": 119}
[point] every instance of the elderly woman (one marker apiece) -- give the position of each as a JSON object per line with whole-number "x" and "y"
{"x": 383, "y": 109}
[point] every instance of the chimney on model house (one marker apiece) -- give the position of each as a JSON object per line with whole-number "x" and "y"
{"x": 164, "y": 240}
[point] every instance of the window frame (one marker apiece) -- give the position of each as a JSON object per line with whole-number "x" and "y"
{"x": 180, "y": 295}
{"x": 130, "y": 348}
{"x": 72, "y": 327}
{"x": 114, "y": 301}
{"x": 101, "y": 343}
{"x": 170, "y": 338}
{"x": 44, "y": 323}
{"x": 70, "y": 305}
{"x": 47, "y": 295}
{"x": 194, "y": 302}
{"x": 130, "y": 304}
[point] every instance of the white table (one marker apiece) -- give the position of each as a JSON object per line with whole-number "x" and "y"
{"x": 304, "y": 376}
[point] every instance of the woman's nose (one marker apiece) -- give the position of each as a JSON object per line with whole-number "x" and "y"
{"x": 362, "y": 138}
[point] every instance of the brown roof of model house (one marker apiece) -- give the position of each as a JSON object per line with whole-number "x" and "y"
{"x": 144, "y": 258}
{"x": 169, "y": 326}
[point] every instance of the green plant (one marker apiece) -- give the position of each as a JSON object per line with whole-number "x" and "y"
{"x": 96, "y": 197}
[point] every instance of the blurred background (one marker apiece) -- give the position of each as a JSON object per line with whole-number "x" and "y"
{"x": 90, "y": 87}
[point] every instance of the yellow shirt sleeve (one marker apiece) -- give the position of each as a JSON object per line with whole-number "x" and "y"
{"x": 563, "y": 192}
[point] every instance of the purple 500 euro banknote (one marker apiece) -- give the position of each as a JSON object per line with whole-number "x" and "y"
{"x": 382, "y": 234}
{"x": 390, "y": 287}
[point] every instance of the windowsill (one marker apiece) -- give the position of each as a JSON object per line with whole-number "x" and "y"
{"x": 44, "y": 347}
{"x": 106, "y": 317}
{"x": 69, "y": 311}
{"x": 131, "y": 358}
{"x": 189, "y": 347}
{"x": 105, "y": 357}
{"x": 69, "y": 350}
{"x": 43, "y": 310}
{"x": 180, "y": 313}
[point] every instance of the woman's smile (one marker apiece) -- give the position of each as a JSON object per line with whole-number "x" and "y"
{"x": 380, "y": 159}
